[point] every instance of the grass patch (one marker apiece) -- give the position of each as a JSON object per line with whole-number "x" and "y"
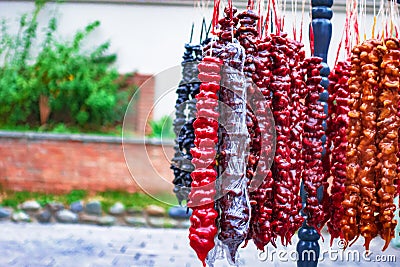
{"x": 108, "y": 198}
{"x": 62, "y": 128}
{"x": 137, "y": 200}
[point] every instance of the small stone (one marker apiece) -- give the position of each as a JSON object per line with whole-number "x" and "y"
{"x": 160, "y": 222}
{"x": 85, "y": 218}
{"x": 134, "y": 211}
{"x": 155, "y": 211}
{"x": 179, "y": 213}
{"x": 55, "y": 206}
{"x": 44, "y": 216}
{"x": 30, "y": 205}
{"x": 184, "y": 224}
{"x": 5, "y": 213}
{"x": 66, "y": 216}
{"x": 135, "y": 221}
{"x": 117, "y": 209}
{"x": 77, "y": 206}
{"x": 20, "y": 216}
{"x": 107, "y": 220}
{"x": 93, "y": 207}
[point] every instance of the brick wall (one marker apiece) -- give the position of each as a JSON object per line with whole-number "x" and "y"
{"x": 144, "y": 100}
{"x": 55, "y": 163}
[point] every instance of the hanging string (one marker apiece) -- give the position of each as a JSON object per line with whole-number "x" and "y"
{"x": 386, "y": 21}
{"x": 378, "y": 18}
{"x": 267, "y": 18}
{"x": 294, "y": 21}
{"x": 230, "y": 9}
{"x": 272, "y": 22}
{"x": 374, "y": 25}
{"x": 215, "y": 16}
{"x": 260, "y": 22}
{"x": 349, "y": 15}
{"x": 311, "y": 34}
{"x": 250, "y": 4}
{"x": 396, "y": 19}
{"x": 284, "y": 14}
{"x": 393, "y": 19}
{"x": 277, "y": 19}
{"x": 361, "y": 16}
{"x": 355, "y": 23}
{"x": 344, "y": 34}
{"x": 203, "y": 28}
{"x": 214, "y": 23}
{"x": 191, "y": 33}
{"x": 303, "y": 5}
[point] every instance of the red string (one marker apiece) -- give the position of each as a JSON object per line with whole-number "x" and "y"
{"x": 260, "y": 19}
{"x": 277, "y": 20}
{"x": 357, "y": 30}
{"x": 387, "y": 30}
{"x": 215, "y": 16}
{"x": 345, "y": 35}
{"x": 294, "y": 32}
{"x": 311, "y": 39}
{"x": 250, "y": 4}
{"x": 302, "y": 23}
{"x": 267, "y": 18}
{"x": 230, "y": 11}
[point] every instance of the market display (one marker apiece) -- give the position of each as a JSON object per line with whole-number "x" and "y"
{"x": 258, "y": 131}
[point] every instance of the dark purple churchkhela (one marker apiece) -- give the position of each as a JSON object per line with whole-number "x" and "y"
{"x": 183, "y": 124}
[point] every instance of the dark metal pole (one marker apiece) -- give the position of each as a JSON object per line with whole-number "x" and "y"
{"x": 322, "y": 29}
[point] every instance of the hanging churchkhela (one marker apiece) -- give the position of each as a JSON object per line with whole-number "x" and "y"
{"x": 256, "y": 132}
{"x": 277, "y": 65}
{"x": 338, "y": 122}
{"x": 233, "y": 205}
{"x": 362, "y": 199}
{"x": 183, "y": 124}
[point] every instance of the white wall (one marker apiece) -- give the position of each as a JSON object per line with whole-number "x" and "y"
{"x": 147, "y": 38}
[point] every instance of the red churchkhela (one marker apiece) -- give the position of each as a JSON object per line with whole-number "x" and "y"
{"x": 201, "y": 199}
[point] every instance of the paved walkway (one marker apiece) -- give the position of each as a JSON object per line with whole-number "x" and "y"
{"x": 36, "y": 245}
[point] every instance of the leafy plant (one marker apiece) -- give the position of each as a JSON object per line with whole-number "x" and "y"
{"x": 75, "y": 195}
{"x": 81, "y": 86}
{"x": 60, "y": 128}
{"x": 162, "y": 128}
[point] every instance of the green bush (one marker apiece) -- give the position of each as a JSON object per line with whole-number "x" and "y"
{"x": 81, "y": 85}
{"x": 162, "y": 128}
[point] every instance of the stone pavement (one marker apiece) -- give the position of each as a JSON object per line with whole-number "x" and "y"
{"x": 65, "y": 245}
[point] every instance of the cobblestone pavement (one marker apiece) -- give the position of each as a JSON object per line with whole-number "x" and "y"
{"x": 36, "y": 245}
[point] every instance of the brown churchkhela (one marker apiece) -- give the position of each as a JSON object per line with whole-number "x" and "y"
{"x": 369, "y": 58}
{"x": 349, "y": 224}
{"x": 388, "y": 127}
{"x": 372, "y": 151}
